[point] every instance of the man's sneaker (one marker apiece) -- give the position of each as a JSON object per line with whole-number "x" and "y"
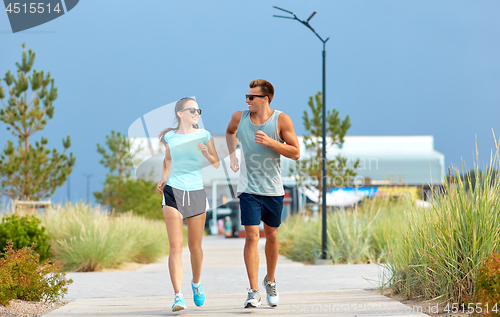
{"x": 272, "y": 293}
{"x": 253, "y": 299}
{"x": 198, "y": 295}
{"x": 179, "y": 303}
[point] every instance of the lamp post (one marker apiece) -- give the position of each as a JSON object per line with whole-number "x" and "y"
{"x": 323, "y": 126}
{"x": 88, "y": 176}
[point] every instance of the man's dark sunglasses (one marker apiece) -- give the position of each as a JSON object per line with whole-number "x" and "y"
{"x": 250, "y": 97}
{"x": 192, "y": 110}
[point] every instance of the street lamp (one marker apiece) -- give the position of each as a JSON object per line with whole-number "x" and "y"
{"x": 323, "y": 126}
{"x": 88, "y": 176}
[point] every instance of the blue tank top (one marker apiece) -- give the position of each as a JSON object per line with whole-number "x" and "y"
{"x": 187, "y": 160}
{"x": 260, "y": 167}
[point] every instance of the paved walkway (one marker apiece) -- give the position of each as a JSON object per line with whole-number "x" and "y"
{"x": 339, "y": 290}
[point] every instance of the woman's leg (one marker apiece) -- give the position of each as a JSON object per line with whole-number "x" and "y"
{"x": 196, "y": 227}
{"x": 173, "y": 220}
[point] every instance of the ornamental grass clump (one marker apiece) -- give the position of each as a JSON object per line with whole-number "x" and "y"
{"x": 362, "y": 235}
{"x": 353, "y": 235}
{"x": 86, "y": 238}
{"x": 442, "y": 247}
{"x": 299, "y": 239}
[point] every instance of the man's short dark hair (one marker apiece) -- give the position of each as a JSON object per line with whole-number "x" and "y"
{"x": 265, "y": 86}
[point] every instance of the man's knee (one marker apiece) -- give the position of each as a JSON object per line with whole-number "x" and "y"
{"x": 252, "y": 236}
{"x": 272, "y": 237}
{"x": 271, "y": 233}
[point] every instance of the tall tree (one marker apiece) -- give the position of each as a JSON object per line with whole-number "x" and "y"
{"x": 121, "y": 158}
{"x": 339, "y": 171}
{"x": 119, "y": 162}
{"x": 122, "y": 192}
{"x": 28, "y": 172}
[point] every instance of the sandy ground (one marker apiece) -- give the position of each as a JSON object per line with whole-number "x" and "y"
{"x": 19, "y": 308}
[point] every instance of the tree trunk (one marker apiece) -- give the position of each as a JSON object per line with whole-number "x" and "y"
{"x": 119, "y": 202}
{"x": 26, "y": 148}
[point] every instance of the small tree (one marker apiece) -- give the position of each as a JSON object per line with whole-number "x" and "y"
{"x": 308, "y": 171}
{"x": 121, "y": 192}
{"x": 28, "y": 172}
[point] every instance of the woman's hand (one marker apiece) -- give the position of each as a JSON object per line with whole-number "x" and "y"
{"x": 159, "y": 187}
{"x": 204, "y": 149}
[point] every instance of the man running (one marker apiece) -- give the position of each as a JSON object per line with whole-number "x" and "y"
{"x": 264, "y": 134}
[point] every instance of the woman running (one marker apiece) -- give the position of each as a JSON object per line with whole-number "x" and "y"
{"x": 186, "y": 147}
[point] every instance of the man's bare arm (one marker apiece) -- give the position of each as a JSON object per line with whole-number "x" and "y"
{"x": 291, "y": 147}
{"x": 231, "y": 139}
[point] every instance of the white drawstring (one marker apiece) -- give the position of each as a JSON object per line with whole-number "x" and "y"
{"x": 183, "y": 194}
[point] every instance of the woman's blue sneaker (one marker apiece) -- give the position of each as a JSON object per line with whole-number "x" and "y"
{"x": 198, "y": 295}
{"x": 179, "y": 303}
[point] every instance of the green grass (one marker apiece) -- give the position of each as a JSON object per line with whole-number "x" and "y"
{"x": 86, "y": 238}
{"x": 430, "y": 253}
{"x": 299, "y": 239}
{"x": 441, "y": 248}
{"x": 354, "y": 236}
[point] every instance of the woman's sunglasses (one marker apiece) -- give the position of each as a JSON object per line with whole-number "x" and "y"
{"x": 250, "y": 97}
{"x": 192, "y": 110}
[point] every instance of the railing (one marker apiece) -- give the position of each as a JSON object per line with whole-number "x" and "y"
{"x": 30, "y": 206}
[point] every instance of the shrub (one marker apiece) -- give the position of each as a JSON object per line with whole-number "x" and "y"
{"x": 23, "y": 277}
{"x": 5, "y": 286}
{"x": 488, "y": 286}
{"x": 23, "y": 232}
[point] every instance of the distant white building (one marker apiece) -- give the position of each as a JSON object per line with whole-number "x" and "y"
{"x": 388, "y": 160}
{"x": 384, "y": 160}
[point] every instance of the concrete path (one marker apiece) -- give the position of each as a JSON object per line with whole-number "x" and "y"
{"x": 339, "y": 290}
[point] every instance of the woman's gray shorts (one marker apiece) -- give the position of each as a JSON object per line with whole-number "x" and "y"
{"x": 188, "y": 203}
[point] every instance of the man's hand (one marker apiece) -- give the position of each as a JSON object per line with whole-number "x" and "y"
{"x": 262, "y": 138}
{"x": 234, "y": 164}
{"x": 159, "y": 187}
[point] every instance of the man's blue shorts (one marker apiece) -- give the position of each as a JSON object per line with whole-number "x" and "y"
{"x": 255, "y": 208}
